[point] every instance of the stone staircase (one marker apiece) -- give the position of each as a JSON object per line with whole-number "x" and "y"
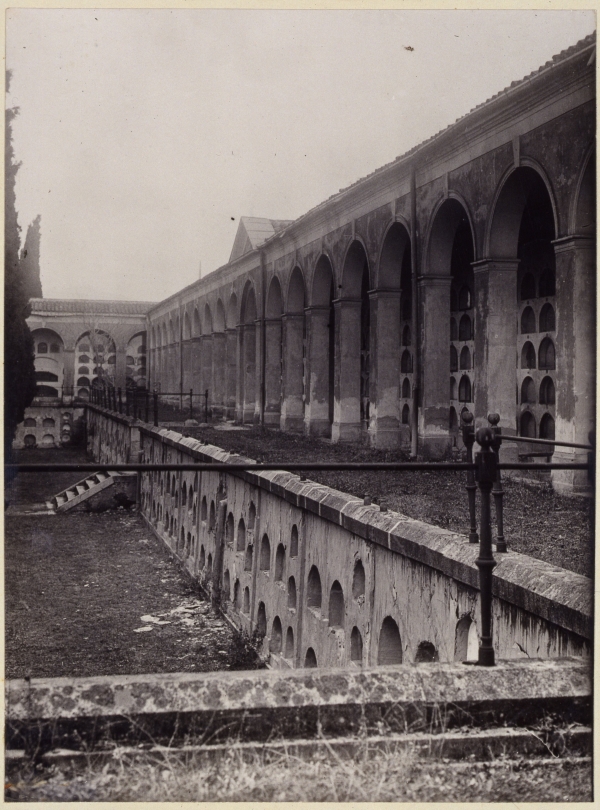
{"x": 82, "y": 490}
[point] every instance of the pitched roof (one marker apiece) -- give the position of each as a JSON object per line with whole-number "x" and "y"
{"x": 85, "y": 307}
{"x": 253, "y": 231}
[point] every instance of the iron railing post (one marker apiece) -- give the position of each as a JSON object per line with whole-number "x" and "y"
{"x": 497, "y": 490}
{"x": 147, "y": 400}
{"x": 127, "y": 402}
{"x": 485, "y": 476}
{"x": 191, "y": 403}
{"x": 468, "y": 434}
{"x": 120, "y": 392}
{"x": 155, "y": 404}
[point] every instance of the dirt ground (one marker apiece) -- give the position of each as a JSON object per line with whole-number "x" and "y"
{"x": 537, "y": 521}
{"x": 96, "y": 594}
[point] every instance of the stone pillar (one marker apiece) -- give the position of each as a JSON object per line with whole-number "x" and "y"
{"x": 496, "y": 345}
{"x": 346, "y": 407}
{"x": 240, "y": 376}
{"x": 196, "y": 372}
{"x": 575, "y": 355}
{"x": 292, "y": 406}
{"x": 316, "y": 413}
{"x": 434, "y": 413}
{"x": 206, "y": 368}
{"x": 231, "y": 367}
{"x": 186, "y": 348}
{"x": 258, "y": 363}
{"x": 249, "y": 372}
{"x": 69, "y": 376}
{"x": 219, "y": 373}
{"x": 273, "y": 371}
{"x": 121, "y": 368}
{"x": 384, "y": 378}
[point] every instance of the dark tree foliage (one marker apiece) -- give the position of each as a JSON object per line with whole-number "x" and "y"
{"x": 19, "y": 373}
{"x": 30, "y": 260}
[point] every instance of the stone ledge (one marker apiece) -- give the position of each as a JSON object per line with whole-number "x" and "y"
{"x": 552, "y": 593}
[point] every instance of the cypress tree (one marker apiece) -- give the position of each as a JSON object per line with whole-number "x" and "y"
{"x": 30, "y": 260}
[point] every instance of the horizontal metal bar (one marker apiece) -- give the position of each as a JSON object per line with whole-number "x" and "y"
{"x": 407, "y": 466}
{"x": 549, "y": 442}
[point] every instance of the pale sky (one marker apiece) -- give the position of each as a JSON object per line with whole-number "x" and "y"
{"x": 142, "y": 133}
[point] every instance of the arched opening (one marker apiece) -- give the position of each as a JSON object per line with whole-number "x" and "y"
{"x": 261, "y": 619}
{"x": 246, "y": 606}
{"x": 354, "y": 335}
{"x": 276, "y": 636}
{"x": 229, "y": 530}
{"x": 292, "y": 593}
{"x": 406, "y": 388}
{"x": 528, "y": 356}
{"x": 279, "y": 563}
{"x": 241, "y": 536}
{"x": 527, "y": 425}
{"x": 426, "y": 653}
{"x": 251, "y": 516}
{"x": 453, "y": 359}
{"x": 547, "y": 427}
{"x": 406, "y": 414}
{"x": 226, "y": 592}
{"x": 265, "y": 554}
{"x": 466, "y": 644}
{"x": 547, "y": 318}
{"x": 310, "y": 660}
{"x": 237, "y": 599}
{"x": 212, "y": 517}
{"x": 406, "y": 365}
{"x": 464, "y": 389}
{"x": 547, "y": 392}
{"x": 313, "y": 589}
{"x": 289, "y": 644}
{"x": 248, "y": 557}
{"x": 203, "y": 509}
{"x": 528, "y": 321}
{"x": 209, "y": 564}
{"x": 547, "y": 355}
{"x": 336, "y": 606}
{"x": 406, "y": 341}
{"x": 390, "y": 644}
{"x": 294, "y": 541}
{"x": 273, "y": 354}
{"x": 202, "y": 560}
{"x": 358, "y": 580}
{"x": 528, "y": 392}
{"x": 465, "y": 359}
{"x": 356, "y": 646}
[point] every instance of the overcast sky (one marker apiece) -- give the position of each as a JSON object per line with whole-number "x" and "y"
{"x": 144, "y": 135}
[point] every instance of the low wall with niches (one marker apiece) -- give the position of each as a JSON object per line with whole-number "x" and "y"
{"x": 49, "y": 426}
{"x": 329, "y": 581}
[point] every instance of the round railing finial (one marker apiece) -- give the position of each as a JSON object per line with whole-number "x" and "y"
{"x": 484, "y": 437}
{"x": 493, "y": 419}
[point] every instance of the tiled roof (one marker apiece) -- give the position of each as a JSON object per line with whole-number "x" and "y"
{"x": 253, "y": 232}
{"x": 582, "y": 45}
{"x": 76, "y": 306}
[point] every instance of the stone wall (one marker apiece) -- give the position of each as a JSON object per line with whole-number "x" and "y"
{"x": 49, "y": 426}
{"x": 332, "y": 582}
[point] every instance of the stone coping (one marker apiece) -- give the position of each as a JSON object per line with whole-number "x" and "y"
{"x": 403, "y": 685}
{"x": 555, "y": 594}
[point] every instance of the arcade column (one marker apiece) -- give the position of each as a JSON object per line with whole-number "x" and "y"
{"x": 292, "y": 407}
{"x": 316, "y": 413}
{"x": 346, "y": 408}
{"x": 384, "y": 422}
{"x": 273, "y": 371}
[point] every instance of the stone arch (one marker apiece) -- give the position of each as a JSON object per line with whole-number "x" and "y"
{"x": 583, "y": 212}
{"x": 528, "y": 321}
{"x": 395, "y": 243}
{"x": 547, "y": 427}
{"x": 426, "y": 653}
{"x": 261, "y": 619}
{"x": 196, "y": 323}
{"x": 289, "y": 644}
{"x": 356, "y": 646}
{"x": 246, "y": 603}
{"x": 276, "y": 636}
{"x": 232, "y": 312}
{"x": 279, "y": 563}
{"x": 358, "y": 580}
{"x": 515, "y": 192}
{"x": 310, "y": 659}
{"x": 528, "y": 393}
{"x": 296, "y": 293}
{"x": 265, "y": 553}
{"x": 527, "y": 425}
{"x": 466, "y": 643}
{"x": 449, "y": 215}
{"x": 219, "y": 319}
{"x": 321, "y": 349}
{"x": 291, "y": 591}
{"x": 241, "y": 536}
{"x": 353, "y": 338}
{"x": 248, "y": 557}
{"x": 229, "y": 530}
{"x": 314, "y": 596}
{"x": 294, "y": 541}
{"x": 390, "y": 643}
{"x": 547, "y": 392}
{"x": 187, "y": 326}
{"x": 337, "y": 607}
{"x": 207, "y": 321}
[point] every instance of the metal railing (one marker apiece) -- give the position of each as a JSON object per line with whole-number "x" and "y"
{"x": 483, "y": 472}
{"x": 143, "y": 404}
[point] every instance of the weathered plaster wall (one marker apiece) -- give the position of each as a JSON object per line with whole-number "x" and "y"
{"x": 422, "y": 578}
{"x": 49, "y": 426}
